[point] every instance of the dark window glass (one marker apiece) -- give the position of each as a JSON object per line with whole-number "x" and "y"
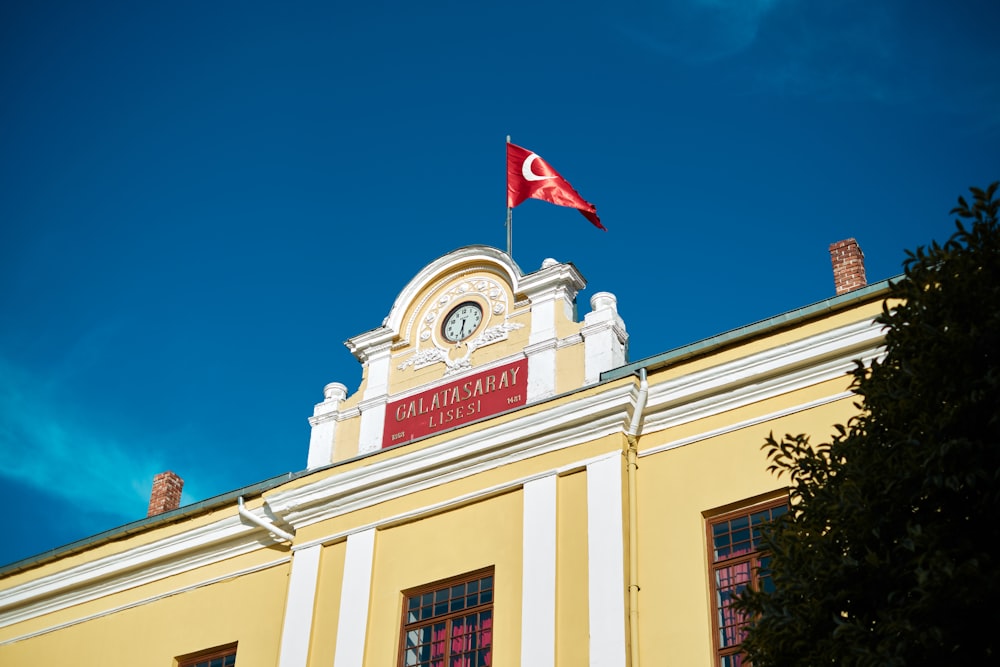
{"x": 222, "y": 656}
{"x": 736, "y": 562}
{"x": 449, "y": 624}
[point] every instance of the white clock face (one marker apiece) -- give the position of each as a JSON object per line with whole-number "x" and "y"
{"x": 462, "y": 321}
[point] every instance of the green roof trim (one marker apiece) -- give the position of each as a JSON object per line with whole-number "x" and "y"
{"x": 841, "y": 302}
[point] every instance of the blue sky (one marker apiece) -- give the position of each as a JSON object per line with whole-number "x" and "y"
{"x": 199, "y": 201}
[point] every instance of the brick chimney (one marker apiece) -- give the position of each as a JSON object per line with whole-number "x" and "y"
{"x": 166, "y": 493}
{"x": 848, "y": 265}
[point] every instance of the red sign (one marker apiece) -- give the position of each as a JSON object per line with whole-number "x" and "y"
{"x": 456, "y": 403}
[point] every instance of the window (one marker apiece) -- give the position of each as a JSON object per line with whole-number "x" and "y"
{"x": 449, "y": 623}
{"x": 736, "y": 562}
{"x": 220, "y": 656}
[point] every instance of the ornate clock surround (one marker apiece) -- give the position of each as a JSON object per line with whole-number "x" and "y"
{"x": 476, "y": 284}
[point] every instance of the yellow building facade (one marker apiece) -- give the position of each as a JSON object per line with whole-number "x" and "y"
{"x": 504, "y": 488}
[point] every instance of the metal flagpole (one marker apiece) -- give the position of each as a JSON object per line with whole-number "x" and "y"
{"x": 510, "y": 252}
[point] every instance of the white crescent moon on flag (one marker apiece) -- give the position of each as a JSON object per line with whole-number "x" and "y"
{"x": 528, "y": 174}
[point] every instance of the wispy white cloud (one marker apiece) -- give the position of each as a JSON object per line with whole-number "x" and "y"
{"x": 65, "y": 454}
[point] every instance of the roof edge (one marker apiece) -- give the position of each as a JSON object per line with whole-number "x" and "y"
{"x": 770, "y": 325}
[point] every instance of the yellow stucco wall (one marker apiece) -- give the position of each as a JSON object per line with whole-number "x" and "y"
{"x": 677, "y": 489}
{"x": 572, "y": 590}
{"x": 326, "y": 612}
{"x": 442, "y": 546}
{"x": 688, "y": 469}
{"x": 246, "y": 609}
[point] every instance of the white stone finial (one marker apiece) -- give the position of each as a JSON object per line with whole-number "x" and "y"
{"x": 604, "y": 301}
{"x": 547, "y": 262}
{"x": 335, "y": 391}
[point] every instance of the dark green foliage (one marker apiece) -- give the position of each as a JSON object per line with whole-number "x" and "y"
{"x": 891, "y": 554}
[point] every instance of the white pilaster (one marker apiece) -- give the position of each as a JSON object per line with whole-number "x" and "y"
{"x": 541, "y": 370}
{"x": 605, "y": 340}
{"x": 552, "y": 292}
{"x": 606, "y": 558}
{"x": 297, "y": 628}
{"x": 372, "y": 424}
{"x": 354, "y": 597}
{"x": 377, "y": 375}
{"x": 538, "y": 586}
{"x": 322, "y": 439}
{"x": 373, "y": 349}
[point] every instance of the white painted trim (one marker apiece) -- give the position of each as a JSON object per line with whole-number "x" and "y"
{"x": 606, "y": 562}
{"x": 538, "y": 582}
{"x": 730, "y": 428}
{"x": 541, "y": 371}
{"x": 354, "y": 598}
{"x": 543, "y": 319}
{"x": 297, "y": 628}
{"x": 372, "y": 424}
{"x": 106, "y": 576}
{"x": 451, "y": 503}
{"x": 492, "y": 259}
{"x": 149, "y": 600}
{"x": 563, "y": 425}
{"x": 692, "y": 395}
{"x": 735, "y": 384}
{"x": 323, "y": 437}
{"x": 549, "y": 430}
{"x": 379, "y": 363}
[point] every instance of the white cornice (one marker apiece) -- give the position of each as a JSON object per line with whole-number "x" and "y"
{"x": 569, "y": 341}
{"x": 233, "y": 574}
{"x": 555, "y": 278}
{"x": 563, "y": 425}
{"x": 734, "y": 384}
{"x": 571, "y": 422}
{"x": 371, "y": 343}
{"x": 137, "y": 566}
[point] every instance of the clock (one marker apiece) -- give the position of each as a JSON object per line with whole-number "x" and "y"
{"x": 462, "y": 321}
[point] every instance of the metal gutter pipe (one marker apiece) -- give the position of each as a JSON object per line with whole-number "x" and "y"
{"x": 632, "y": 465}
{"x": 266, "y": 525}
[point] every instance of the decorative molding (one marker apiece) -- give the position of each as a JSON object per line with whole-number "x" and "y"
{"x": 693, "y": 396}
{"x": 371, "y": 343}
{"x": 558, "y": 279}
{"x": 154, "y": 598}
{"x": 569, "y": 341}
{"x": 141, "y": 565}
{"x": 451, "y": 503}
{"x": 747, "y": 423}
{"x": 488, "y": 258}
{"x": 493, "y": 444}
{"x": 547, "y": 430}
{"x": 549, "y": 344}
{"x": 423, "y": 329}
{"x": 703, "y": 393}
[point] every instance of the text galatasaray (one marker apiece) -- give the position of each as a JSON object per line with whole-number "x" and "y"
{"x": 457, "y": 394}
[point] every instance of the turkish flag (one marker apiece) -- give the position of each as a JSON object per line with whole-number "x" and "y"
{"x": 531, "y": 177}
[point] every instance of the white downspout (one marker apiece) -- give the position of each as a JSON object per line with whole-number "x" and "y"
{"x": 640, "y": 406}
{"x": 632, "y": 465}
{"x": 266, "y": 525}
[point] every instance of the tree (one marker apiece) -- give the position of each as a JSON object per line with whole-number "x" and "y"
{"x": 888, "y": 555}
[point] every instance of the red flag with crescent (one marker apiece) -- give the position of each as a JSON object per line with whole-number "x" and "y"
{"x": 531, "y": 177}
